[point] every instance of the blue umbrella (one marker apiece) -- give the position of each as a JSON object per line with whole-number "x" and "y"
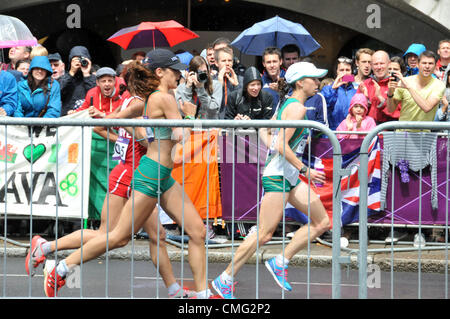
{"x": 275, "y": 32}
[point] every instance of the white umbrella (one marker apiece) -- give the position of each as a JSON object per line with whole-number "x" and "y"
{"x": 14, "y": 32}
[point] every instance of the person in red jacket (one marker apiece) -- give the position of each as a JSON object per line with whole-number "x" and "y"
{"x": 375, "y": 89}
{"x": 106, "y": 96}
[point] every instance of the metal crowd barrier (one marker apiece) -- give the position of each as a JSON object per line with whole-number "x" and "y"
{"x": 204, "y": 124}
{"x": 363, "y": 209}
{"x": 338, "y": 260}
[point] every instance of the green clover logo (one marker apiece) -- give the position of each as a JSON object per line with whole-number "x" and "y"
{"x": 69, "y": 184}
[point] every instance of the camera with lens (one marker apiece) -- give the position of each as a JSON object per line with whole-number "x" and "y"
{"x": 202, "y": 76}
{"x": 84, "y": 62}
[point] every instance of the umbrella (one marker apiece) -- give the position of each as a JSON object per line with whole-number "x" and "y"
{"x": 14, "y": 32}
{"x": 152, "y": 34}
{"x": 275, "y": 32}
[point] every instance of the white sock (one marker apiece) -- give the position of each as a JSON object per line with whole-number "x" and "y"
{"x": 62, "y": 268}
{"x": 46, "y": 248}
{"x": 204, "y": 294}
{"x": 225, "y": 277}
{"x": 282, "y": 261}
{"x": 173, "y": 288}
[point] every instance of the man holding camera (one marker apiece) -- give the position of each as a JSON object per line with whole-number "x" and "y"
{"x": 375, "y": 89}
{"x": 78, "y": 81}
{"x": 418, "y": 94}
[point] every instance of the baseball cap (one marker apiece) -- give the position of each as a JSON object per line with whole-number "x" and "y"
{"x": 105, "y": 71}
{"x": 54, "y": 57}
{"x": 300, "y": 70}
{"x": 163, "y": 58}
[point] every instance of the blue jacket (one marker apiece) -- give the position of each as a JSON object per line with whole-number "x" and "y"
{"x": 32, "y": 103}
{"x": 8, "y": 92}
{"x": 338, "y": 103}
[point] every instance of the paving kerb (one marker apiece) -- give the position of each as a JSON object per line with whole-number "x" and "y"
{"x": 319, "y": 255}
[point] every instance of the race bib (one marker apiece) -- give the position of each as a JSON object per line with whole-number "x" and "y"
{"x": 120, "y": 149}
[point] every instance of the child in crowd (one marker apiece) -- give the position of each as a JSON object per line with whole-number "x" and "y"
{"x": 23, "y": 66}
{"x": 357, "y": 118}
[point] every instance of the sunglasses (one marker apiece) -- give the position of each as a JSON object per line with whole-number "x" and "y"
{"x": 344, "y": 59}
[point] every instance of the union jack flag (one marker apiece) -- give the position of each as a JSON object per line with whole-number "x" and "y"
{"x": 349, "y": 184}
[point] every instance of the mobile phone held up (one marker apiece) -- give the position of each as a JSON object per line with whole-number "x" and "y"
{"x": 348, "y": 78}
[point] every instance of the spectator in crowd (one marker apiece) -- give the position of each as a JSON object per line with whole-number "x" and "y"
{"x": 281, "y": 182}
{"x": 200, "y": 89}
{"x": 397, "y": 64}
{"x": 375, "y": 89}
{"x": 226, "y": 75}
{"x": 272, "y": 74}
{"x": 38, "y": 50}
{"x": 23, "y": 66}
{"x": 419, "y": 95}
{"x": 15, "y": 54}
{"x": 442, "y": 113}
{"x": 357, "y": 119}
{"x": 138, "y": 56}
{"x": 251, "y": 102}
{"x": 39, "y": 95}
{"x": 444, "y": 59}
{"x": 106, "y": 96}
{"x": 339, "y": 94}
{"x": 221, "y": 42}
{"x": 8, "y": 93}
{"x": 290, "y": 54}
{"x": 58, "y": 65}
{"x": 78, "y": 81}
{"x": 210, "y": 55}
{"x": 363, "y": 58}
{"x": 411, "y": 57}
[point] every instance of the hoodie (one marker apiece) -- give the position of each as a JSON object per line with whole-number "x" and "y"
{"x": 30, "y": 104}
{"x": 240, "y": 102}
{"x": 367, "y": 123}
{"x": 74, "y": 88}
{"x": 417, "y": 49}
{"x": 8, "y": 92}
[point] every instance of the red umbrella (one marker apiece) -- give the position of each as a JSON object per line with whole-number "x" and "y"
{"x": 152, "y": 34}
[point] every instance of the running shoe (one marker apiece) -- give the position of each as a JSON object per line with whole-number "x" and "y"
{"x": 279, "y": 273}
{"x": 183, "y": 293}
{"x": 52, "y": 281}
{"x": 224, "y": 289}
{"x": 35, "y": 253}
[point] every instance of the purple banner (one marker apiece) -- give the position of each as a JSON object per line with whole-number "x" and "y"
{"x": 406, "y": 197}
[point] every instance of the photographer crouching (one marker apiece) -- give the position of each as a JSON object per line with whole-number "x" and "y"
{"x": 201, "y": 90}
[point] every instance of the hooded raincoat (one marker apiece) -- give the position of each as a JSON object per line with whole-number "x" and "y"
{"x": 38, "y": 103}
{"x": 239, "y": 102}
{"x": 367, "y": 123}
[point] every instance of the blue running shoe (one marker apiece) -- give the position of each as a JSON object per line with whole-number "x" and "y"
{"x": 278, "y": 273}
{"x": 223, "y": 289}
